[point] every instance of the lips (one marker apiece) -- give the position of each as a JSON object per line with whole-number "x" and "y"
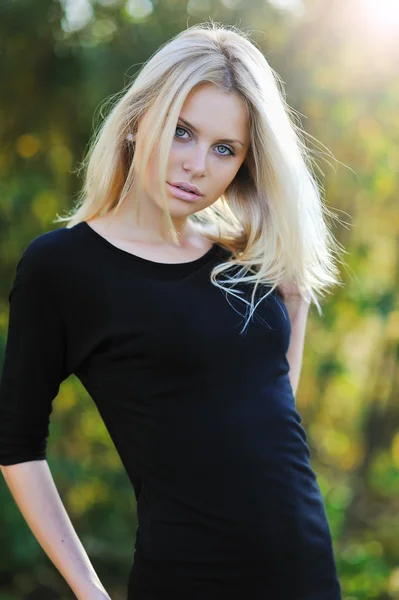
{"x": 186, "y": 186}
{"x": 181, "y": 194}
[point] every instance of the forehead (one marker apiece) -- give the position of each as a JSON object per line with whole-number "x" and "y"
{"x": 211, "y": 109}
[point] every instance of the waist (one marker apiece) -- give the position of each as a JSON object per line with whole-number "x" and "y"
{"x": 246, "y": 533}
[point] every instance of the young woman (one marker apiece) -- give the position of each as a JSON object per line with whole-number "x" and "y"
{"x": 178, "y": 294}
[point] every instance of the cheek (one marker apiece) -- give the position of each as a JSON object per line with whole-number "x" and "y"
{"x": 220, "y": 171}
{"x": 175, "y": 160}
{"x": 177, "y": 155}
{"x": 224, "y": 175}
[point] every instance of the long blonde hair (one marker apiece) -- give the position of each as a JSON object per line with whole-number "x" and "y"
{"x": 271, "y": 217}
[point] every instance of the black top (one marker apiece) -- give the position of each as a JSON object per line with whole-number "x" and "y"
{"x": 203, "y": 418}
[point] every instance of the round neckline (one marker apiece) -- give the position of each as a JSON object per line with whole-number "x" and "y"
{"x": 146, "y": 261}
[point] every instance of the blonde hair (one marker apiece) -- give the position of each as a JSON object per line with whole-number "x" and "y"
{"x": 271, "y": 217}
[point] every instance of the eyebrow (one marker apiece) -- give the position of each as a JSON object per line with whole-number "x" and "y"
{"x": 196, "y": 130}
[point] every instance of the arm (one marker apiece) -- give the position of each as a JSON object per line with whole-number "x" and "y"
{"x": 35, "y": 364}
{"x": 35, "y": 494}
{"x": 298, "y": 309}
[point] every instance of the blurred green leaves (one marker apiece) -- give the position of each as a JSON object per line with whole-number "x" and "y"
{"x": 59, "y": 61}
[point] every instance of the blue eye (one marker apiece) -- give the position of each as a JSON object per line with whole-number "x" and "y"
{"x": 181, "y": 128}
{"x": 231, "y": 153}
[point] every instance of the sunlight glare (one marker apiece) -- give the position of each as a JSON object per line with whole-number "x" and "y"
{"x": 383, "y": 13}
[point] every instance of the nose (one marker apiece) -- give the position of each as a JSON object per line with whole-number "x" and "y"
{"x": 195, "y": 161}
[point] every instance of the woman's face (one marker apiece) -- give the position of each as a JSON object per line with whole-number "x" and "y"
{"x": 210, "y": 144}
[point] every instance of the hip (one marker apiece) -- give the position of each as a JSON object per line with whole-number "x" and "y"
{"x": 161, "y": 580}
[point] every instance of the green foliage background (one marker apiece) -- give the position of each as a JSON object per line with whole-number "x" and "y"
{"x": 341, "y": 74}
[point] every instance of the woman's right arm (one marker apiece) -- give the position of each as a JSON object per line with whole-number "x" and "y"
{"x": 36, "y": 361}
{"x": 34, "y": 491}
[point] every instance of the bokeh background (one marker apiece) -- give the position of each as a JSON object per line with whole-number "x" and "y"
{"x": 339, "y": 61}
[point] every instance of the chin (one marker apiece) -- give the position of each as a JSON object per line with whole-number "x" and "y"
{"x": 179, "y": 208}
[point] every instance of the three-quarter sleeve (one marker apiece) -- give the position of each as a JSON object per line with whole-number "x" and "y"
{"x": 33, "y": 366}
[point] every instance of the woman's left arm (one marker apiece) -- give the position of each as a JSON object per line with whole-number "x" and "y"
{"x": 298, "y": 309}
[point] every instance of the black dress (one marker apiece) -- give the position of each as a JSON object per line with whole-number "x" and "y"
{"x": 203, "y": 418}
